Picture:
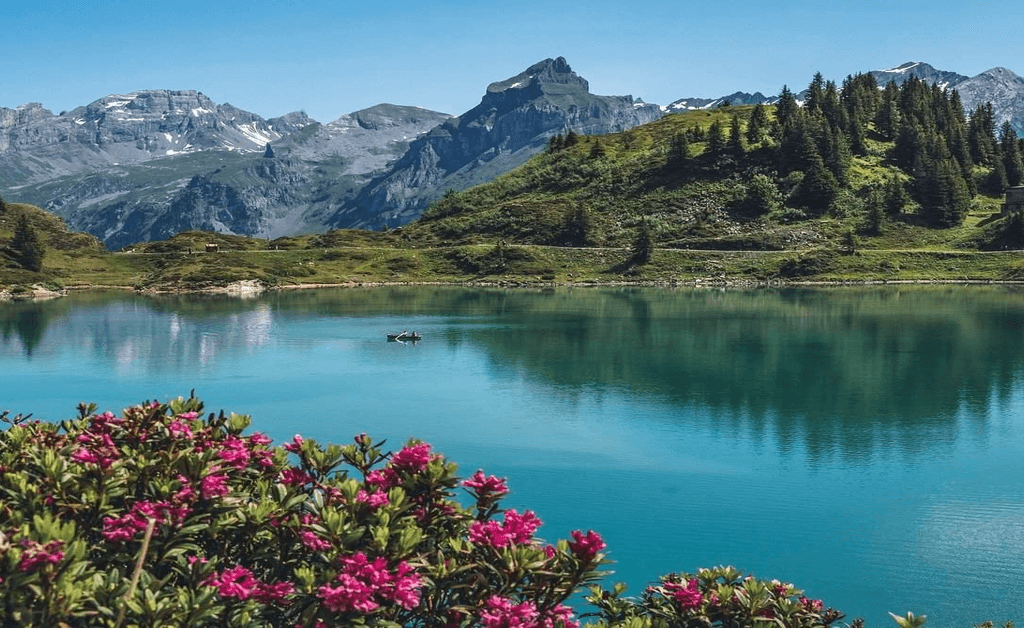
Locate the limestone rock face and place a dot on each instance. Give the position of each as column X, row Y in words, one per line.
column 1002, row 88
column 124, row 129
column 150, row 164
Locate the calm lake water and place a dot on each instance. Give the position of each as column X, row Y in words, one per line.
column 864, row 444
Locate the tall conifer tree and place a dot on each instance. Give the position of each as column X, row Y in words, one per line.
column 26, row 245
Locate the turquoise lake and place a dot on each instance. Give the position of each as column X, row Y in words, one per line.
column 866, row 444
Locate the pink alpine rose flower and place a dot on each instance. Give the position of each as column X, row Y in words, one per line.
column 214, row 485
column 36, row 554
column 516, row 530
column 295, row 477
column 375, row 499
column 237, row 582
column 688, row 596
column 412, row 458
column 486, row 486
column 586, row 546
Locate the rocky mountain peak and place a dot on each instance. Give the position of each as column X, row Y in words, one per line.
column 549, row 71
column 1002, row 74
column 515, row 119
column 919, row 70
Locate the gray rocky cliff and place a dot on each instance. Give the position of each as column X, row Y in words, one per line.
column 1002, row 88
column 37, row 146
column 144, row 166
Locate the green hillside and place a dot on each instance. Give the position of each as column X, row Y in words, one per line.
column 694, row 191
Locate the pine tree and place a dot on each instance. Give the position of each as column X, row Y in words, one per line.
column 797, row 143
column 896, row 196
column 818, row 189
column 997, row 180
column 981, row 136
column 815, row 93
column 836, row 154
column 555, row 143
column 3, row 205
column 875, row 205
column 716, row 139
column 679, row 152
column 1013, row 162
column 757, row 125
column 943, row 194
column 577, row 226
column 889, row 119
column 735, row 144
column 830, row 107
column 571, row 139
column 643, row 246
column 785, row 110
column 25, row 245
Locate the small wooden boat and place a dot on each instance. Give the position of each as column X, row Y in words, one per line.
column 404, row 336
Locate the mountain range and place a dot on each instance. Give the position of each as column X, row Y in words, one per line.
column 146, row 165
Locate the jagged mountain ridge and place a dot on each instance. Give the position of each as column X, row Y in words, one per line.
column 37, row 145
column 152, row 165
column 147, row 165
column 515, row 119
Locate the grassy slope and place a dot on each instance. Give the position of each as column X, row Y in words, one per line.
column 509, row 229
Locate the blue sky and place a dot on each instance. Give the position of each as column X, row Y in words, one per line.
column 332, row 58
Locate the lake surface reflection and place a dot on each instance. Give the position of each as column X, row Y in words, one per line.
column 866, row 444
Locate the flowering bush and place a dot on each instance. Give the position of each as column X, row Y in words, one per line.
column 713, row 597
column 165, row 517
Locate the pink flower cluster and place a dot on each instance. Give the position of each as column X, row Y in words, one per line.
column 238, row 582
column 310, row 538
column 586, row 546
column 814, row 606
column 516, row 530
column 375, row 499
column 688, row 596
column 36, row 554
column 172, row 512
column 295, row 446
column 385, row 479
column 486, row 487
column 180, row 430
column 412, row 458
column 240, row 452
column 500, row 612
column 97, row 448
column 363, row 585
column 214, row 484
column 294, row 476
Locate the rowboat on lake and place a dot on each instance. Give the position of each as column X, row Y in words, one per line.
column 404, row 336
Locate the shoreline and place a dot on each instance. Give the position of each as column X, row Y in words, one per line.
column 253, row 288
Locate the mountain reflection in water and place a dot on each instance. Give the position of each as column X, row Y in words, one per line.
column 843, row 371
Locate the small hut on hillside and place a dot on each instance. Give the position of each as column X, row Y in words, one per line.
column 1014, row 200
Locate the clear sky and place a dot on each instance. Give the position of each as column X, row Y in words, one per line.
column 331, row 58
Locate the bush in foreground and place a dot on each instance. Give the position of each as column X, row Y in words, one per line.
column 164, row 517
